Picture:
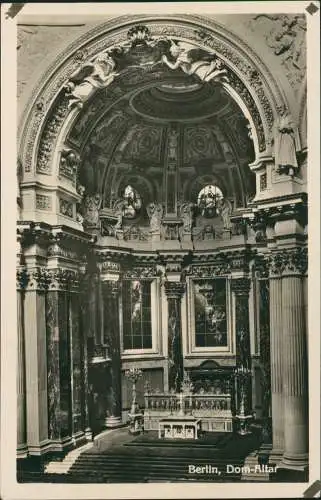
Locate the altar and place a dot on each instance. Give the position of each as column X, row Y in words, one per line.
column 174, row 427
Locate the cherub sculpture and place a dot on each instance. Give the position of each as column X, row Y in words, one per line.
column 206, row 66
column 92, row 75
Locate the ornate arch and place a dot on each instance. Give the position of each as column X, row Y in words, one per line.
column 47, row 120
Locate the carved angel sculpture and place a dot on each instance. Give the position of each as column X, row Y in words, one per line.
column 206, row 66
column 92, row 75
column 155, row 213
column 225, row 209
column 285, row 145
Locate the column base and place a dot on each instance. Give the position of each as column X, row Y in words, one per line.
column 22, row 450
column 112, row 422
column 40, row 449
column 275, row 456
column 299, row 463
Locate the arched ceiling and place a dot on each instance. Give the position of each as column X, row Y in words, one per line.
column 124, row 136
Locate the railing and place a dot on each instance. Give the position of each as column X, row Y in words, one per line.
column 213, row 409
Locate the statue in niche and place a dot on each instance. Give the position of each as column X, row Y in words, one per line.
column 186, row 214
column 285, row 145
column 91, row 208
column 92, row 75
column 119, row 213
column 155, row 213
column 193, row 61
column 224, row 209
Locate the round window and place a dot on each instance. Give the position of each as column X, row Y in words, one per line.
column 208, row 200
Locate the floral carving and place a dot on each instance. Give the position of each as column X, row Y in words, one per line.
column 289, row 261
column 49, row 136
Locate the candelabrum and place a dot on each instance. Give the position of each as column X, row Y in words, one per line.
column 133, row 375
column 244, row 415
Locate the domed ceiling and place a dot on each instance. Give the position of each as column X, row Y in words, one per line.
column 133, row 133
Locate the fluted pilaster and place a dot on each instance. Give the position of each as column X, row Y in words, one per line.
column 174, row 291
column 294, row 363
column 276, row 332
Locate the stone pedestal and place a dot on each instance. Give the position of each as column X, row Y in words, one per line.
column 110, row 290
column 276, row 334
column 174, row 291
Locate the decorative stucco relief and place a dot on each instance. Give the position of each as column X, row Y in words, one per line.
column 285, row 35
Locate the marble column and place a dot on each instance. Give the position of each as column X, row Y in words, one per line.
column 58, row 367
column 22, row 449
column 84, row 329
column 294, row 369
column 276, row 333
column 110, row 291
column 36, row 362
column 174, row 291
column 241, row 288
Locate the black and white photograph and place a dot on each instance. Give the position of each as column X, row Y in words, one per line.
column 160, row 188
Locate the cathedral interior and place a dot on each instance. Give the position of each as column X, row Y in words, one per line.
column 162, row 233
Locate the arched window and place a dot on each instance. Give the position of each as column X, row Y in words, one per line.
column 208, row 199
column 133, row 203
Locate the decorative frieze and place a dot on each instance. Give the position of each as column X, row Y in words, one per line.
column 42, row 278
column 43, row 202
column 141, row 272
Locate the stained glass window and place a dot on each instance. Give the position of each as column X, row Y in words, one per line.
column 210, row 313
column 207, row 200
column 137, row 325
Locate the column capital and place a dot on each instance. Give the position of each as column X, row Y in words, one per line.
column 241, row 286
column 174, row 289
column 22, row 278
column 293, row 261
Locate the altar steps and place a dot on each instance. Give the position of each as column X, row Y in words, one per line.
column 113, row 468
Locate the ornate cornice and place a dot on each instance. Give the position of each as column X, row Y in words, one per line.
column 174, row 289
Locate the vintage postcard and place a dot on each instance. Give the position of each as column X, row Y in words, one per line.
column 160, row 163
